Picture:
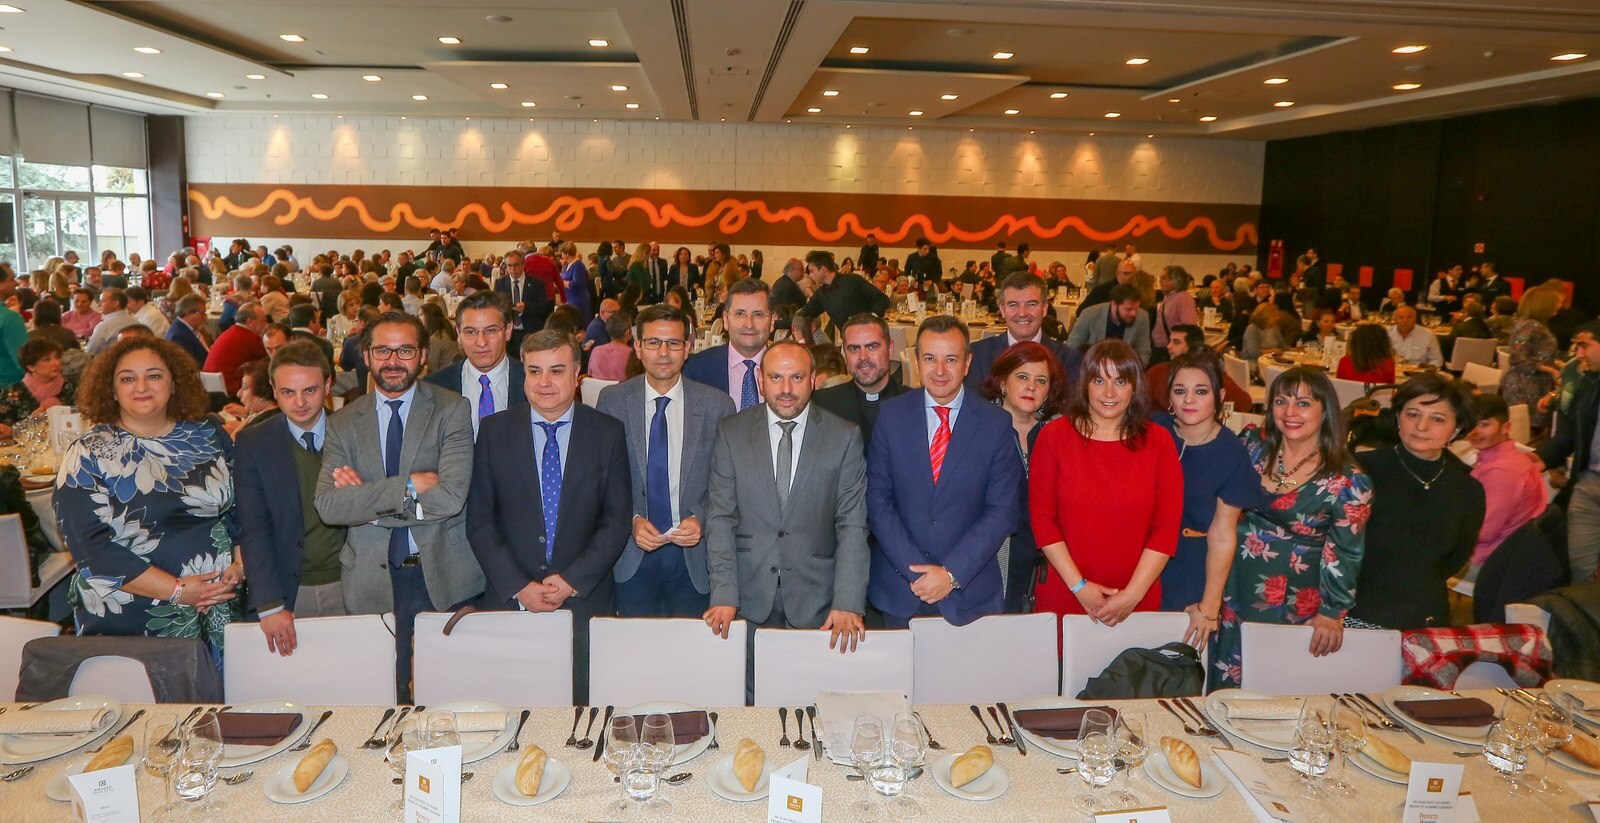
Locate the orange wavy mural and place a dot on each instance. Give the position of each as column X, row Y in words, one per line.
column 803, row 218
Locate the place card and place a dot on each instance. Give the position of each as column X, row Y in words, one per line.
column 1246, row 775
column 433, row 785
column 1153, row 814
column 1433, row 792
column 790, row 799
column 105, row 796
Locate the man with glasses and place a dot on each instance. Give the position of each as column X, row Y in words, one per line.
column 527, row 297
column 395, row 470
column 486, row 375
column 672, row 425
column 733, row 367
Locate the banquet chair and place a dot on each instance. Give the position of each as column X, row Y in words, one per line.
column 1502, row 358
column 999, row 657
column 632, row 660
column 1278, row 660
column 1239, row 370
column 1484, row 377
column 338, row 661
column 1087, row 647
column 792, row 665
column 910, row 371
column 1521, row 423
column 120, row 678
column 1348, row 391
column 590, row 390
column 512, row 658
column 1527, row 613
column 16, row 577
column 1270, row 373
column 1479, row 350
column 1237, row 421
column 128, row 668
column 1485, row 675
column 15, row 632
column 212, row 382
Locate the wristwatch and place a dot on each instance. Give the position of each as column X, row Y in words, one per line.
column 953, row 584
column 177, row 594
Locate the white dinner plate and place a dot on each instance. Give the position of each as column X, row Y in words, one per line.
column 557, row 777
column 1378, row 770
column 1059, row 748
column 1471, row 735
column 58, row 789
column 684, row 752
column 989, row 786
column 279, row 788
column 476, row 746
column 16, row 749
column 722, row 783
column 234, row 756
column 1160, row 772
column 1277, row 735
column 1589, row 692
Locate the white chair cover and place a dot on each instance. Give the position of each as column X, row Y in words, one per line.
column 1521, row 423
column 513, row 658
column 1485, row 675
column 793, row 665
column 1088, row 647
column 15, row 632
column 632, row 660
column 120, row 678
column 16, row 589
column 1528, row 613
column 1484, row 377
column 1277, row 660
column 339, row 661
column 212, row 381
column 1000, row 657
column 590, row 389
column 1479, row 350
column 1348, row 391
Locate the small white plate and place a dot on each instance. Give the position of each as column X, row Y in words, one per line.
column 1589, row 692
column 279, row 788
column 1060, row 748
column 1268, row 734
column 1160, row 772
column 684, row 752
column 1470, row 735
column 1378, row 770
column 989, row 786
column 722, row 783
column 16, row 749
column 475, row 748
column 58, row 789
column 234, row 756
column 1574, row 763
column 555, row 780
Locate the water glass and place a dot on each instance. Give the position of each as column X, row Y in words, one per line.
column 904, row 751
column 200, row 754
column 1313, row 746
column 1554, row 727
column 1132, row 749
column 1506, row 749
column 657, row 745
column 866, row 749
column 1097, row 759
column 403, row 739
column 1348, row 738
column 622, row 752
column 439, row 730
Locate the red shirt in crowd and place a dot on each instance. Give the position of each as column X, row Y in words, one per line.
column 1383, row 374
column 235, row 347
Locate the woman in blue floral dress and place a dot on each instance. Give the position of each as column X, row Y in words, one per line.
column 144, row 500
column 1299, row 556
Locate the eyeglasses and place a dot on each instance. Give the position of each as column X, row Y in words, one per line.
column 402, row 352
column 655, row 343
column 489, row 331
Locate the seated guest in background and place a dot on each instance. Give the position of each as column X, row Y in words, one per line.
column 1324, row 331
column 43, row 385
column 942, row 483
column 442, row 345
column 672, row 427
column 1393, row 301
column 1261, row 336
column 609, row 360
column 273, row 299
column 238, row 345
column 47, row 325
column 255, row 398
column 1502, row 313
column 731, row 367
column 274, row 338
column 1023, row 306
column 146, row 495
column 596, row 334
column 342, row 324
column 550, row 499
column 304, row 325
column 1472, row 322
column 1351, row 309
column 290, row 554
column 1513, row 485
column 1123, row 318
column 189, row 318
column 113, row 316
column 1105, row 494
column 1369, row 357
column 1426, row 509
column 83, row 318
column 146, row 311
column 869, row 357
column 1217, row 298
column 1186, row 339
column 489, row 378
column 1417, row 345
column 351, row 355
column 815, row 539
column 134, row 330
column 1027, row 383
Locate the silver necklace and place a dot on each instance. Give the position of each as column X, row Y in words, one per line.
column 1426, row 484
column 1185, row 442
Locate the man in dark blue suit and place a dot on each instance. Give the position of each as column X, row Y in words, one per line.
column 551, row 497
column 530, row 306
column 291, row 556
column 942, row 478
column 185, row 331
column 486, row 375
column 1022, row 304
column 732, row 367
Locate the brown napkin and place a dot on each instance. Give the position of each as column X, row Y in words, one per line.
column 256, row 729
column 1057, row 724
column 687, row 727
column 1458, row 711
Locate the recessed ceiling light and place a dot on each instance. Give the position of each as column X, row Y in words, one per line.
column 1283, row 104
column 372, row 78
column 402, row 117
column 1091, row 134
column 1174, row 100
column 830, row 92
column 1013, row 111
column 948, row 96
column 1210, row 118
column 915, row 112
column 419, row 97
column 1136, row 61
column 631, row 106
column 498, row 86
column 1412, row 48
column 813, row 110
column 1057, row 95
column 1571, row 55
column 319, row 96
column 619, row 87
column 450, row 41
column 1112, row 115
column 859, row 49
column 1407, row 86
column 1004, row 55
column 216, row 94
column 1274, row 81
column 9, row 9
column 599, row 44
column 528, row 104
column 291, row 38
column 255, row 77
column 134, row 74
column 1151, row 136
column 146, row 50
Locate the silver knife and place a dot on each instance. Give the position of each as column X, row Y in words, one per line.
column 1022, row 748
column 816, row 742
column 1401, row 724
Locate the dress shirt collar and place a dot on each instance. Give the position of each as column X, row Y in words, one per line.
column 675, row 394
column 955, row 403
column 773, row 419
column 405, row 399
column 566, row 417
column 1038, row 337
column 496, row 373
column 736, row 360
column 319, row 429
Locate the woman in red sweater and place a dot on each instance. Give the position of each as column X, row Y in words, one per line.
column 1105, row 492
column 1371, row 358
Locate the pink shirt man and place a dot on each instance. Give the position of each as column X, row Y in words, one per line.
column 1513, row 492
column 610, row 361
column 81, row 323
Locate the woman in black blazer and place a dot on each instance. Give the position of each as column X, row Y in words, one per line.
column 685, row 272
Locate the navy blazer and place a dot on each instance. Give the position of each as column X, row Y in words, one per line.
column 989, row 349
column 180, row 333
column 271, row 522
column 710, row 367
column 536, row 305
column 505, row 515
column 449, row 378
column 958, row 524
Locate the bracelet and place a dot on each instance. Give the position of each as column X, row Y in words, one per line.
column 1081, row 583
column 177, row 593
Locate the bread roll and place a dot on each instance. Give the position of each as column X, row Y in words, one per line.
column 1583, row 749
column 312, row 765
column 971, row 765
column 1182, row 759
column 1386, row 755
column 748, row 761
column 112, row 755
column 530, row 770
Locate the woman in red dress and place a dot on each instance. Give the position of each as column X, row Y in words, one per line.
column 1105, row 492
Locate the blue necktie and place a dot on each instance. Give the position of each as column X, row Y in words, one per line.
column 399, row 538
column 747, row 393
column 657, row 482
column 310, row 439
column 485, row 398
column 550, row 484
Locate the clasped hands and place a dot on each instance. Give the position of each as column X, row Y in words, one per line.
column 649, row 538
column 1105, row 604
column 545, row 595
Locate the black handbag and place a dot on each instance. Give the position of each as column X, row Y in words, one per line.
column 1174, row 670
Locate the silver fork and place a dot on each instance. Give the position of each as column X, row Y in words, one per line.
column 516, row 739
column 236, row 779
column 1206, row 726
column 1005, row 739
column 1187, row 729
column 306, row 743
column 932, row 744
column 374, row 741
column 714, row 743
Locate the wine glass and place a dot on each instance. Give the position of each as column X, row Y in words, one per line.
column 622, row 750
column 1313, row 746
column 1132, row 749
column 161, row 748
column 866, row 748
column 1506, row 749
column 196, row 773
column 903, row 750
column 403, row 740
column 1097, row 759
column 1348, row 738
column 1554, row 728
column 657, row 744
column 439, row 730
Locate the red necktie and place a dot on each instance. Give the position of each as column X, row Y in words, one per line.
column 941, row 441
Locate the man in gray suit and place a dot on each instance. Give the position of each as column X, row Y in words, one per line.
column 786, row 535
column 672, row 425
column 396, row 469
column 1122, row 318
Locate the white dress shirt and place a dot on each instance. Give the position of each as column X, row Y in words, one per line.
column 384, row 413
column 674, row 397
column 471, row 387
column 933, row 417
column 775, row 436
column 1420, row 347
column 152, row 318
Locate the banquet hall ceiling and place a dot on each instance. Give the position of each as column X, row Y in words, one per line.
column 1190, row 67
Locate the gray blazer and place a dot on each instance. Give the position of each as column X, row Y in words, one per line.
column 819, row 542
column 1089, row 328
column 438, row 437
column 703, row 408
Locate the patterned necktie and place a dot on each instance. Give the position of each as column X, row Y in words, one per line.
column 747, row 392
column 550, row 484
column 399, row 538
column 310, row 439
column 657, row 478
column 485, row 397
column 785, row 462
column 941, row 441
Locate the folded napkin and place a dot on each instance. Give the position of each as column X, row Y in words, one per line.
column 1467, row 712
column 687, row 727
column 256, row 728
column 1272, row 708
column 45, row 722
column 838, row 712
column 473, row 722
column 1056, row 724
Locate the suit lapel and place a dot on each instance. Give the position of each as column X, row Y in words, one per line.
column 368, row 459
column 693, row 413
column 418, row 423
column 961, row 436
column 761, row 443
column 280, row 461
column 572, row 473
column 805, row 466
column 634, row 396
column 521, row 457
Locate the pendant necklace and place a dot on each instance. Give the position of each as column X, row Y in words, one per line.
column 1281, row 477
column 1426, row 484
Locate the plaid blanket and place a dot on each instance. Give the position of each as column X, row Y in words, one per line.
column 1436, row 657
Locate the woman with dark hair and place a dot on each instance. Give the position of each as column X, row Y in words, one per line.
column 1105, row 493
column 47, row 326
column 1426, row 509
column 1300, row 554
column 1218, row 483
column 1028, row 383
column 42, row 386
column 443, row 349
column 1370, row 357
column 688, row 274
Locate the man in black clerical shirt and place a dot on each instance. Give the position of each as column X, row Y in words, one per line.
column 869, row 355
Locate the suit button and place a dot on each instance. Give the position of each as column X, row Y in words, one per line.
column 932, row 522
column 541, row 538
column 774, row 569
column 781, row 534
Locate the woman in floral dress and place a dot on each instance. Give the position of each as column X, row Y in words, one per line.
column 1533, row 352
column 144, row 500
column 1300, row 556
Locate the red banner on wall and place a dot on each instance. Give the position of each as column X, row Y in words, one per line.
column 1517, row 285
column 1334, row 270
column 1402, row 279
column 1366, row 277
column 1275, row 259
